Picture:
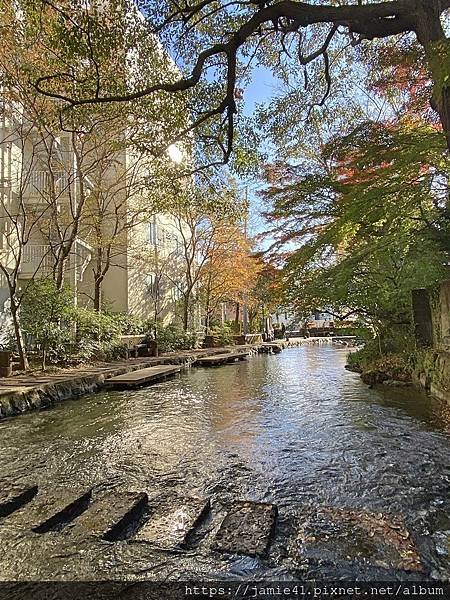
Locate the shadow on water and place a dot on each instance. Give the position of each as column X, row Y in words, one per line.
column 294, row 429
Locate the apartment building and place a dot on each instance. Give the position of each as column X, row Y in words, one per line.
column 73, row 209
column 41, row 197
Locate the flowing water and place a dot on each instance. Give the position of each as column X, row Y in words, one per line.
column 295, row 429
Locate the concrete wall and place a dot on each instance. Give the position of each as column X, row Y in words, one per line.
column 441, row 311
column 440, row 305
column 432, row 321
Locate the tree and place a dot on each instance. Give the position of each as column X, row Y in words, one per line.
column 83, row 184
column 372, row 282
column 265, row 297
column 20, row 219
column 200, row 214
column 230, row 271
column 118, row 202
column 57, row 178
column 162, row 260
column 223, row 39
column 370, row 228
column 42, row 37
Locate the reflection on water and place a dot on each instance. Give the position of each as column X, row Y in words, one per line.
column 295, row 429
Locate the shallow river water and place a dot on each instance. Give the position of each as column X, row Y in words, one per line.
column 295, row 429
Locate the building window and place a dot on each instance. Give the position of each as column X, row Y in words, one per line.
column 151, row 233
column 176, row 292
column 153, row 287
column 178, row 247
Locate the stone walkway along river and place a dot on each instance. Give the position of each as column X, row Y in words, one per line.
column 359, row 478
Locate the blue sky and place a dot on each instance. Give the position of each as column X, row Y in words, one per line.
column 262, row 87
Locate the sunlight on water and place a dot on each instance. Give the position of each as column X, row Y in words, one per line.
column 294, row 429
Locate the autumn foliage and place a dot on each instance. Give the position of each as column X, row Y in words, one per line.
column 231, row 270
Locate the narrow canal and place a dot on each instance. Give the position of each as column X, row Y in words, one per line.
column 295, row 429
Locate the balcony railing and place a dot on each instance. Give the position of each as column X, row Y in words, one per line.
column 39, row 183
column 36, row 258
column 39, row 259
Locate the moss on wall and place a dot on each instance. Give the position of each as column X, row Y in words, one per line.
column 432, row 365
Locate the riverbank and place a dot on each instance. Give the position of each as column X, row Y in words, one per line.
column 340, row 462
column 22, row 393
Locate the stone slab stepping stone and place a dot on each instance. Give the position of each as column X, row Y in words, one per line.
column 172, row 521
column 109, row 516
column 13, row 499
column 375, row 539
column 247, row 529
column 55, row 513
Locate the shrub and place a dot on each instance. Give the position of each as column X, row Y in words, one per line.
column 171, row 337
column 98, row 335
column 47, row 317
column 391, row 357
column 129, row 324
column 358, row 330
column 224, row 334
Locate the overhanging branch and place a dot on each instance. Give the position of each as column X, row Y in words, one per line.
column 368, row 21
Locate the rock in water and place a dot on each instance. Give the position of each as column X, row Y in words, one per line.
column 376, row 539
column 247, row 529
column 172, row 521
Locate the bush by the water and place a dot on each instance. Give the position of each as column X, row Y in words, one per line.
column 358, row 330
column 98, row 335
column 129, row 324
column 387, row 358
column 61, row 332
column 46, row 317
column 171, row 337
column 223, row 334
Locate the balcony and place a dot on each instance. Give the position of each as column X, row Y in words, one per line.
column 39, row 185
column 5, row 184
column 38, row 259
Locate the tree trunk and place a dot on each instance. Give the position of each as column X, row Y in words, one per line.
column 236, row 317
column 97, row 294
column 443, row 108
column 60, row 272
column 23, row 359
column 431, row 36
column 207, row 316
column 186, row 302
column 98, row 281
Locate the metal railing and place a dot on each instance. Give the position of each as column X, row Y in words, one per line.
column 40, row 258
column 37, row 257
column 39, row 183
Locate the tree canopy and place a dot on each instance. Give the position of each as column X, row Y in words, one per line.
column 214, row 45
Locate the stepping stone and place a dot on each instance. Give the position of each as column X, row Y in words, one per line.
column 109, row 516
column 247, row 529
column 172, row 522
column 374, row 539
column 55, row 515
column 14, row 499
